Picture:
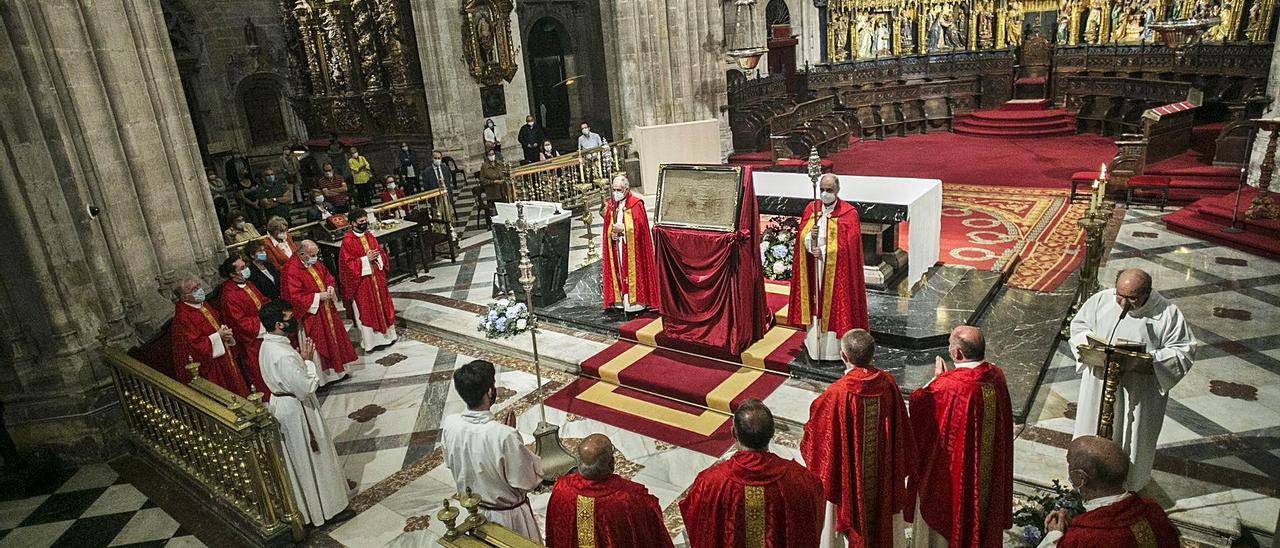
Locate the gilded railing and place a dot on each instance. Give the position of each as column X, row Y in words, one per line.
column 571, row 179
column 226, row 445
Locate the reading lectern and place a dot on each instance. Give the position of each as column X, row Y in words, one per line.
column 1122, row 357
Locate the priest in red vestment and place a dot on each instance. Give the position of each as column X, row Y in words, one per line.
column 197, row 335
column 238, row 303
column 963, row 427
column 362, row 269
column 858, row 442
column 596, row 507
column 630, row 281
column 1113, row 517
column 755, row 498
column 828, row 287
column 308, row 287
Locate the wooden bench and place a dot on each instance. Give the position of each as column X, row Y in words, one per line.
column 811, row 124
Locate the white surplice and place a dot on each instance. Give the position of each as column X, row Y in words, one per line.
column 369, row 338
column 822, row 345
column 1141, row 400
column 319, row 484
column 490, row 458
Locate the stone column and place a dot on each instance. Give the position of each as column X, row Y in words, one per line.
column 1273, row 110
column 457, row 119
column 103, row 202
column 804, row 23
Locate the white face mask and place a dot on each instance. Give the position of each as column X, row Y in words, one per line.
column 828, row 197
column 391, row 186
column 406, row 147
column 586, row 131
column 244, row 273
column 491, row 158
column 619, row 195
column 239, row 225
column 547, row 148
column 529, row 123
column 355, row 154
column 319, row 199
column 328, row 174
column 437, row 161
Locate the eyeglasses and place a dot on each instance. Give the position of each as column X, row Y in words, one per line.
column 1136, row 297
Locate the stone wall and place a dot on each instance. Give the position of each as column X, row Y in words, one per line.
column 104, row 204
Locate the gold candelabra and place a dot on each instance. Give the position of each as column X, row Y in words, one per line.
column 1093, row 223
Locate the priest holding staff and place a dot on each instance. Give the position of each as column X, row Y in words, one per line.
column 828, row 288
column 629, row 275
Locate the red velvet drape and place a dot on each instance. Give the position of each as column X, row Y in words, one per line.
column 712, row 286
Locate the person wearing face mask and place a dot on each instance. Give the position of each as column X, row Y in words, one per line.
column 292, row 377
column 362, row 271
column 274, row 195
column 198, row 335
column 334, row 188
column 320, row 209
column 531, row 138
column 493, row 175
column 492, row 142
column 308, row 287
column 548, row 151
column 828, row 287
column 409, row 169
column 438, row 174
column 1113, row 517
column 361, row 173
column 630, row 279
column 238, row 304
column 239, row 230
column 392, row 192
column 279, row 242
column 262, row 274
column 589, row 139
column 245, row 192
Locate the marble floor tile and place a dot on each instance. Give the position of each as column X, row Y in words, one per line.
column 423, row 496
column 187, row 541
column 368, row 468
column 376, row 526
column 401, row 397
column 1232, row 414
column 341, row 405
column 147, row 525
column 13, row 512
column 1161, row 276
column 117, row 498
column 90, row 477
column 37, row 536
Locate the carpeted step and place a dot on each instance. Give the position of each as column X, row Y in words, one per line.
column 1013, row 132
column 775, row 351
column 1021, row 114
column 1205, row 183
column 1048, row 123
column 1025, row 104
column 1205, row 218
column 1199, row 171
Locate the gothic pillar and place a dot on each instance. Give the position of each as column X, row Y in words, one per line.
column 102, row 202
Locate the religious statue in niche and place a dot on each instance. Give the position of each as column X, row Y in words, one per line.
column 940, row 28
column 959, row 37
column 486, row 40
column 1063, row 32
column 882, row 35
column 1093, row 21
column 1013, row 24
column 865, row 37
column 840, row 31
column 986, row 24
column 907, row 30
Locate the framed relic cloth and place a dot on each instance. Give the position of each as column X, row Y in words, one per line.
column 700, row 197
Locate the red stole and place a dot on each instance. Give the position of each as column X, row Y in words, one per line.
column 756, row 500
column 368, row 292
column 844, row 287
column 298, row 285
column 963, row 427
column 239, row 309
column 189, row 333
column 274, row 255
column 858, row 442
column 1136, row 522
column 635, row 275
column 610, row 513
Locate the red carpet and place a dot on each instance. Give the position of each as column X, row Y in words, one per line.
column 1018, row 120
column 1206, row 217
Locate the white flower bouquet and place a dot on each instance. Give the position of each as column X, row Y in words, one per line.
column 505, row 318
column 777, row 245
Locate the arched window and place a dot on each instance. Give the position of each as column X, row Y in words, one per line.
column 260, row 98
column 776, row 13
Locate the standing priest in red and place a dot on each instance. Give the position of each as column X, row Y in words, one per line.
column 596, row 507
column 239, row 302
column 828, row 288
column 858, row 442
column 963, row 427
column 1113, row 517
column 755, row 498
column 630, row 281
column 362, row 269
column 197, row 335
column 308, row 287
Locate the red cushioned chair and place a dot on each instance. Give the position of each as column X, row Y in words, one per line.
column 1032, row 80
column 1082, row 178
column 1153, row 185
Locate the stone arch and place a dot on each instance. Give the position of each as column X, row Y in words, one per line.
column 549, row 46
column 776, row 12
column 261, row 100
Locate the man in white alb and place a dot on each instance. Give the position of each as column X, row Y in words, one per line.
column 319, row 484
column 1133, row 312
column 489, row 457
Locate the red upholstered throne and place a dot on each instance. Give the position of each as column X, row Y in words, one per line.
column 1032, row 79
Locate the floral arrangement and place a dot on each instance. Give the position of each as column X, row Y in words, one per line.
column 1029, row 517
column 504, row 318
column 777, row 246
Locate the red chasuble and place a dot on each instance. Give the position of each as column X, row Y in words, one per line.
column 368, row 292
column 610, row 513
column 1133, row 522
column 858, row 442
column 754, row 499
column 239, row 308
column 298, row 285
column 190, row 333
column 634, row 275
column 963, row 427
column 844, row 285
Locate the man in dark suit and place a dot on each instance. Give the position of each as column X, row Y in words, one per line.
column 437, row 174
column 531, row 137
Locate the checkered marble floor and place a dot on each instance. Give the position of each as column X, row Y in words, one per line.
column 90, row 506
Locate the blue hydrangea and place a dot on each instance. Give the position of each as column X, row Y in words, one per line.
column 1032, row 534
column 493, row 315
column 512, row 312
column 501, row 324
column 779, row 251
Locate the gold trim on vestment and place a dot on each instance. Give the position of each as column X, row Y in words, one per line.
column 986, row 446
column 586, row 522
column 755, row 516
column 870, row 463
column 1143, row 536
column 377, row 295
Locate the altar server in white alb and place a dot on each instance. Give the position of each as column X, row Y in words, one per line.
column 1137, row 313
column 488, row 456
column 319, row 485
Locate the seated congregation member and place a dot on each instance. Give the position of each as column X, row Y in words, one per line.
column 238, row 303
column 239, row 230
column 774, row 500
column 630, row 279
column 280, row 246
column 963, row 427
column 292, row 376
column 489, row 457
column 860, row 424
column 198, row 335
column 390, row 193
column 334, row 188
column 308, row 286
column 262, row 274
column 594, row 506
column 829, row 293
column 362, row 270
column 320, row 208
column 1113, row 517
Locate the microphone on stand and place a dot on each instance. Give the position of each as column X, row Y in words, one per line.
column 1124, row 311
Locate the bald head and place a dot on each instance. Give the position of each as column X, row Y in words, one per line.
column 967, row 344
column 857, row 347
column 753, row 425
column 829, row 181
column 309, row 246
column 1133, row 287
column 1097, row 466
column 595, row 457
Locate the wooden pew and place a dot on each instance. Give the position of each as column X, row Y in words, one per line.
column 817, row 123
